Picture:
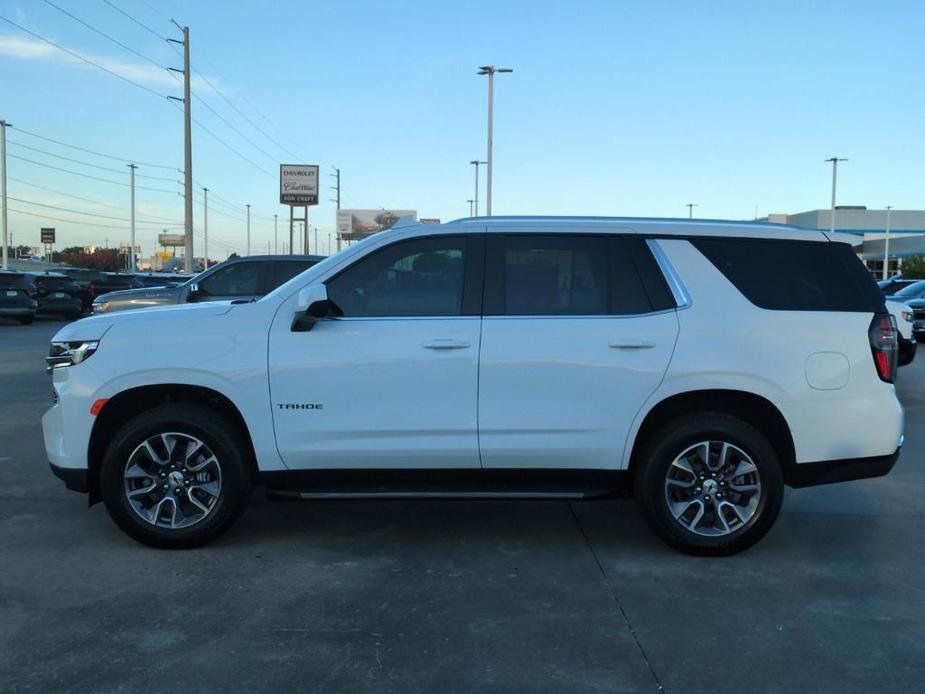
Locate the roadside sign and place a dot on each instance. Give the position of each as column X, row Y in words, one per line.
column 171, row 240
column 48, row 235
column 429, row 220
column 298, row 184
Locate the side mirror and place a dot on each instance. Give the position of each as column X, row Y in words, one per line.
column 193, row 293
column 313, row 305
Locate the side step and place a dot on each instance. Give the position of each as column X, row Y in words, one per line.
column 459, row 485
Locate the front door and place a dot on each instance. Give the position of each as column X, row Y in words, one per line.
column 576, row 336
column 392, row 384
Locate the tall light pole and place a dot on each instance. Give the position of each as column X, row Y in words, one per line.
column 834, row 161
column 187, row 150
column 248, row 229
column 475, row 163
column 470, row 201
column 886, row 244
column 3, row 127
column 131, row 250
column 490, row 70
column 275, row 238
column 205, row 228
column 690, row 209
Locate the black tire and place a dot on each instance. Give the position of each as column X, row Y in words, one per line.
column 216, row 432
column 26, row 320
column 673, row 440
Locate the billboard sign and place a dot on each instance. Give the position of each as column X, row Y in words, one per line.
column 358, row 224
column 48, row 235
column 298, row 184
column 429, row 220
column 171, row 240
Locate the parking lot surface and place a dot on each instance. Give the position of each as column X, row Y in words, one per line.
column 452, row 596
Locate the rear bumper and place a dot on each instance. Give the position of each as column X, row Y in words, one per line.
column 75, row 479
column 829, row 471
column 15, row 311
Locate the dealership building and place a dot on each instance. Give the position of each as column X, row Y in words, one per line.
column 907, row 232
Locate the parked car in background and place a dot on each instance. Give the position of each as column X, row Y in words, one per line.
column 83, row 278
column 161, row 279
column 891, row 286
column 701, row 366
column 236, row 279
column 57, row 294
column 17, row 296
column 917, row 306
column 903, row 315
column 916, row 290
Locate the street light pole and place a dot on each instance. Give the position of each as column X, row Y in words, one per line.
column 3, row 127
column 275, row 238
column 490, row 70
column 248, row 229
column 475, row 163
column 886, row 244
column 131, row 250
column 470, row 201
column 834, row 161
column 205, row 228
column 690, row 209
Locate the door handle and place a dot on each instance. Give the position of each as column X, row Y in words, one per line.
column 445, row 344
column 632, row 343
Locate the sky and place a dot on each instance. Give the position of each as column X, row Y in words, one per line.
column 628, row 108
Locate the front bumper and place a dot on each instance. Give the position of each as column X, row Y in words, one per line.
column 75, row 479
column 829, row 471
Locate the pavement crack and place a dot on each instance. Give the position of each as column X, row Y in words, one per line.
column 616, row 599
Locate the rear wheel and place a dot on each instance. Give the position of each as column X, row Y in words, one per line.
column 176, row 476
column 710, row 484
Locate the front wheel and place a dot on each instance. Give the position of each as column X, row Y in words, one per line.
column 710, row 484
column 176, row 476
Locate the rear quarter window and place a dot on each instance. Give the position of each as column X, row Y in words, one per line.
column 795, row 275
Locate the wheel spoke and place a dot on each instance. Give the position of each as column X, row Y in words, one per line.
column 155, row 458
column 210, row 488
column 198, row 504
column 142, row 491
column 208, row 461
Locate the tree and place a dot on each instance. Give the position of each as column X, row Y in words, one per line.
column 913, row 268
column 100, row 259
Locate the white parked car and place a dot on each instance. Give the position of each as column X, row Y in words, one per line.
column 903, row 315
column 700, row 366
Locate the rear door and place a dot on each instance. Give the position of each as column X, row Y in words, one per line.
column 578, row 331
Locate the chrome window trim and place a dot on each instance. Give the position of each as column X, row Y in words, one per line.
column 681, row 296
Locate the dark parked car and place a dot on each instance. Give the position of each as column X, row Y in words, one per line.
column 57, row 294
column 891, row 286
column 161, row 279
column 916, row 290
column 239, row 278
column 83, row 279
column 17, row 296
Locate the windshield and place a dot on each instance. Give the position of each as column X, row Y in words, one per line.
column 913, row 290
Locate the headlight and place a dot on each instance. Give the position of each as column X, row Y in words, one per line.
column 907, row 316
column 69, row 353
column 100, row 307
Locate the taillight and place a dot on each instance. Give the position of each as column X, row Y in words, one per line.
column 884, row 345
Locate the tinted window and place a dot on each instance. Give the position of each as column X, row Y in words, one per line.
column 423, row 277
column 285, row 270
column 653, row 281
column 238, row 279
column 795, row 275
column 11, row 279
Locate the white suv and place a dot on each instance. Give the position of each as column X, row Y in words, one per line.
column 700, row 366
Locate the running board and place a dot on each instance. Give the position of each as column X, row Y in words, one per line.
column 444, row 485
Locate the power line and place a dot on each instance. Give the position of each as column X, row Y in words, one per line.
column 82, row 58
column 105, row 35
column 229, row 147
column 84, row 163
column 230, row 125
column 141, row 24
column 86, row 214
column 72, row 221
column 85, row 175
column 99, row 154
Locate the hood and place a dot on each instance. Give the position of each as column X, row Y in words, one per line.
column 145, row 293
column 94, row 327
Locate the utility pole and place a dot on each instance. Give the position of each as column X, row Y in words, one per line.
column 3, row 126
column 470, row 207
column 302, row 235
column 187, row 150
column 886, row 244
column 690, row 209
column 248, row 229
column 131, row 252
column 475, row 163
column 316, row 241
column 205, row 228
column 336, row 176
column 275, row 237
column 834, row 161
column 490, row 70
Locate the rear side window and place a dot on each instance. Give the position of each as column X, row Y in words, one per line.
column 239, row 279
column 795, row 275
column 571, row 275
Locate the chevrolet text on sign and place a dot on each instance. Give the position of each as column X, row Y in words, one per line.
column 298, row 184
